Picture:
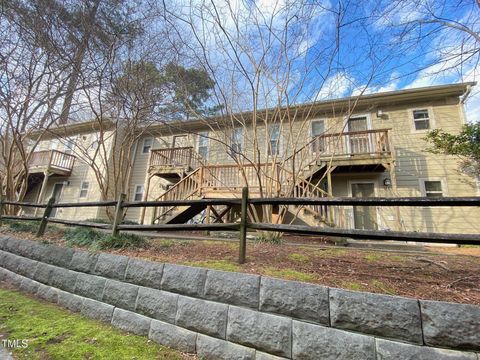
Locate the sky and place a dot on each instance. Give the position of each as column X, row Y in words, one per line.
column 335, row 49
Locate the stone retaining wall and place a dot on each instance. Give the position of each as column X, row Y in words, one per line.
column 225, row 315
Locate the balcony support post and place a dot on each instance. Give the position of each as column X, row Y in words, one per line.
column 41, row 194
column 145, row 198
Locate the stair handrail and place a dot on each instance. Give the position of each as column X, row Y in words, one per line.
column 180, row 195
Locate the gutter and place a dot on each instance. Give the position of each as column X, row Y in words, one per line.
column 467, row 93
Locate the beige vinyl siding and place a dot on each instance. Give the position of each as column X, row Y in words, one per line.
column 412, row 163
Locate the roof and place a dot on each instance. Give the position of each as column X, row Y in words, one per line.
column 360, row 101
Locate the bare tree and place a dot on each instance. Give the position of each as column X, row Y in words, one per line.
column 265, row 61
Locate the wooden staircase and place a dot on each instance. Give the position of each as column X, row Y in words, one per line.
column 291, row 178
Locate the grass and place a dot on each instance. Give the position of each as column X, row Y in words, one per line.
column 331, row 252
column 299, row 258
column 87, row 237
column 373, row 257
column 352, row 285
column 55, row 333
column 288, row 274
column 224, row 265
column 383, row 287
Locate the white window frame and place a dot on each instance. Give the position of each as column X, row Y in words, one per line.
column 279, row 140
column 69, row 145
column 54, row 144
column 431, row 119
column 149, row 146
column 241, row 143
column 136, row 192
column 82, row 188
column 203, row 135
column 369, row 127
column 354, row 116
column 318, row 120
column 316, row 146
column 443, row 182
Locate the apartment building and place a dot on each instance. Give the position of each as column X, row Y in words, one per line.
column 368, row 147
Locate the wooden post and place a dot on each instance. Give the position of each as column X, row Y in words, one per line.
column 42, row 189
column 145, row 198
column 243, row 226
column 118, row 214
column 46, row 215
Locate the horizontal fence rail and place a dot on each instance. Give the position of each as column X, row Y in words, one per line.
column 244, row 202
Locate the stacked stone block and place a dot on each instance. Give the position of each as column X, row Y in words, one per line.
column 223, row 315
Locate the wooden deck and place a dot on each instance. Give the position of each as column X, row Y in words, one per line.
column 52, row 162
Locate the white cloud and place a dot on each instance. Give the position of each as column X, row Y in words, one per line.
column 336, row 86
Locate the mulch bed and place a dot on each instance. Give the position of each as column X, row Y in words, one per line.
column 433, row 276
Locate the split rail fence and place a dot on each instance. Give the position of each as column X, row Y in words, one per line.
column 121, row 205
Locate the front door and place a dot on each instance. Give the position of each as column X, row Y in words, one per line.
column 364, row 217
column 56, row 194
column 358, row 143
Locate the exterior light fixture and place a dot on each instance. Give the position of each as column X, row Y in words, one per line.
column 387, row 182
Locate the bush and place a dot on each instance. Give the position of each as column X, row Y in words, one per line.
column 120, row 242
column 23, row 226
column 83, row 236
column 267, row 237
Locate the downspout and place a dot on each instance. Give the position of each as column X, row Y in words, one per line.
column 132, row 162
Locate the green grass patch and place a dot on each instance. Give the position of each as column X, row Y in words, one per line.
column 373, row 257
column 224, row 265
column 288, row 274
column 351, row 285
column 87, row 237
column 55, row 333
column 383, row 287
column 299, row 258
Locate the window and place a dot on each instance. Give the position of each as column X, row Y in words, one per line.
column 274, row 136
column 69, row 145
column 147, row 145
column 54, row 144
column 237, row 140
column 203, row 144
column 318, row 128
column 84, row 189
column 432, row 188
column 138, row 195
column 421, row 119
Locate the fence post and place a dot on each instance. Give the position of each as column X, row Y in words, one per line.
column 118, row 214
column 46, row 215
column 243, row 226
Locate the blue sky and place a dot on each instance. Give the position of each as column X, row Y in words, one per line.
column 335, row 49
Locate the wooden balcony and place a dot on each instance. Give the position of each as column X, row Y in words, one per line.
column 173, row 162
column 367, row 147
column 51, row 161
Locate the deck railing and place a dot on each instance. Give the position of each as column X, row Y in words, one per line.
column 49, row 159
column 176, row 157
column 375, row 143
